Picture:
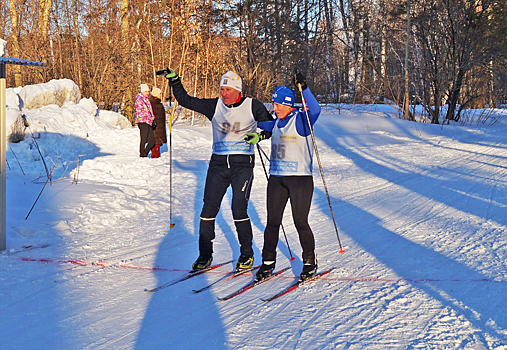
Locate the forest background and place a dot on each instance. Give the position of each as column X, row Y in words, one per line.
column 446, row 55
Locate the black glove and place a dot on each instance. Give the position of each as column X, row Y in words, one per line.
column 170, row 75
column 300, row 79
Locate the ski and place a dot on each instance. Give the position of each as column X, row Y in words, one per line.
column 186, row 277
column 252, row 284
column 228, row 276
column 297, row 284
column 24, row 249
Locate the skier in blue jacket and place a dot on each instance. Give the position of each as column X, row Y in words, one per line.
column 290, row 174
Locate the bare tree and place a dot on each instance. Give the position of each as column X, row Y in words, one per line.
column 350, row 50
column 15, row 49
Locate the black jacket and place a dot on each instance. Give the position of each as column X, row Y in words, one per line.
column 207, row 106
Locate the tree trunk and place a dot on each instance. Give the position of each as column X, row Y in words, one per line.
column 454, row 96
column 16, row 51
column 77, row 40
column 126, row 67
column 44, row 9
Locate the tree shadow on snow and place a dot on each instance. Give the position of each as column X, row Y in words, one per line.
column 176, row 317
column 61, row 154
column 456, row 286
column 471, row 294
column 37, row 305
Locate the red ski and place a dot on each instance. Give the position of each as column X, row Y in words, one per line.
column 252, row 284
column 228, row 276
column 186, row 277
column 297, row 284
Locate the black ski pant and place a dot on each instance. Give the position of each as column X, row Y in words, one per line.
column 218, row 179
column 147, row 139
column 300, row 191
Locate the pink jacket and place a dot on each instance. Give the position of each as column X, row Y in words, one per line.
column 144, row 112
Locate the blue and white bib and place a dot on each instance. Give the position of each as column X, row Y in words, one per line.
column 230, row 126
column 291, row 153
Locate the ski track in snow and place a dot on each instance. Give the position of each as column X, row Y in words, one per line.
column 422, row 219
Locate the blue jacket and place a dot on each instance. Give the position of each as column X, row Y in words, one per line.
column 301, row 122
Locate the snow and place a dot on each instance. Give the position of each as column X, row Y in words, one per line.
column 420, row 209
column 3, row 50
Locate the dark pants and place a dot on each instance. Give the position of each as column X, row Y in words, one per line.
column 147, row 139
column 218, row 179
column 300, row 191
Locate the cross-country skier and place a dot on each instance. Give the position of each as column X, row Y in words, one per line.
column 232, row 116
column 290, row 175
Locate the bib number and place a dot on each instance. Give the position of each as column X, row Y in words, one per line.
column 278, row 151
column 227, row 127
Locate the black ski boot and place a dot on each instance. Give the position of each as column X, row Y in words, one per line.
column 309, row 269
column 245, row 262
column 202, row 263
column 265, row 270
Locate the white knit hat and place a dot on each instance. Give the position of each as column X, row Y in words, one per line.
column 232, row 80
column 156, row 92
column 144, row 88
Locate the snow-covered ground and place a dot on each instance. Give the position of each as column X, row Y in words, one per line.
column 420, row 209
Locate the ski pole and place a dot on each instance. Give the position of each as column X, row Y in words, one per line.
column 320, row 166
column 171, row 112
column 259, row 149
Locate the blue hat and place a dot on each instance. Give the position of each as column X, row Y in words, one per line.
column 284, row 96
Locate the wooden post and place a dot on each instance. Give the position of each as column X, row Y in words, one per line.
column 3, row 143
column 3, row 159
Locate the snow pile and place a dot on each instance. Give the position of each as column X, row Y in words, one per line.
column 58, row 129
column 14, row 120
column 16, row 130
column 89, row 105
column 3, row 50
column 12, row 99
column 61, row 99
column 114, row 119
column 56, row 91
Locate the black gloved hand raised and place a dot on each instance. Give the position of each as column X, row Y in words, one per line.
column 299, row 79
column 170, row 75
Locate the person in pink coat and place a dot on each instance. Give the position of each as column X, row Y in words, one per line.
column 144, row 120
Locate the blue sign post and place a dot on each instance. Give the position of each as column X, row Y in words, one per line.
column 3, row 142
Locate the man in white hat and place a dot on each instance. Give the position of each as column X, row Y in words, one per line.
column 232, row 117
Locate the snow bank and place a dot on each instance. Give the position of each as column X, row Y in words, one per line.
column 3, row 50
column 56, row 91
column 14, row 120
column 89, row 105
column 114, row 119
column 56, row 107
column 110, row 117
column 17, row 125
column 12, row 99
